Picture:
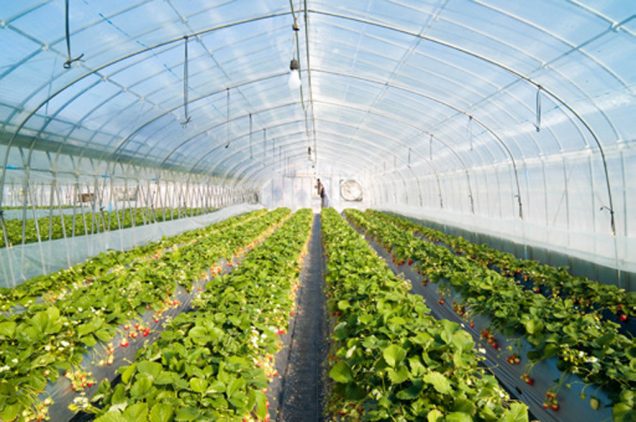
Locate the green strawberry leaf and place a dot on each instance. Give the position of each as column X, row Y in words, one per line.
column 438, row 381
column 393, row 355
column 137, row 412
column 161, row 413
column 341, row 373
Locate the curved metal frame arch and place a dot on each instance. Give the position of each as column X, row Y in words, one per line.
column 194, row 100
column 503, row 110
column 477, row 76
column 251, row 172
column 402, row 178
column 243, row 149
column 465, row 51
column 445, row 104
column 508, row 69
column 118, row 60
column 399, row 142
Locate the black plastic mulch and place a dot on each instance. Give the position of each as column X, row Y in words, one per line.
column 299, row 393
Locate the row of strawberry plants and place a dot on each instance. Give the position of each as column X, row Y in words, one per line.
column 215, row 362
column 45, row 339
column 52, row 286
column 541, row 278
column 83, row 223
column 392, row 360
column 583, row 343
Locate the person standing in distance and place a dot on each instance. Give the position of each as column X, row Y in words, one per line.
column 321, row 192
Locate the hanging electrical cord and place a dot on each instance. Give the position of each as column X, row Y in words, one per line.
column 251, row 154
column 227, row 123
column 264, row 145
column 470, row 131
column 185, row 84
column 69, row 57
column 538, row 109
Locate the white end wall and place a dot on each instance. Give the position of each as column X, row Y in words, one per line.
column 299, row 191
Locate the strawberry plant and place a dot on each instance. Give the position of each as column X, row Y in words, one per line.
column 391, row 359
column 215, row 362
column 44, row 339
column 583, row 342
column 540, row 278
column 51, row 287
column 83, row 223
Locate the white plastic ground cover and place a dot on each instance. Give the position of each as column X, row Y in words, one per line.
column 614, row 253
column 20, row 263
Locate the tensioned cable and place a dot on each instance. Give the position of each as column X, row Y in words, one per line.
column 185, row 83
column 69, row 58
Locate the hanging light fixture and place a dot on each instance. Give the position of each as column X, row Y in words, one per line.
column 294, row 74
column 186, row 74
column 294, row 65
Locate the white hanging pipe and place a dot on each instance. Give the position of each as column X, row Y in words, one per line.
column 251, row 129
column 227, row 121
column 538, row 109
column 185, row 83
column 69, row 57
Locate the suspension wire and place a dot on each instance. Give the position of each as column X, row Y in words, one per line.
column 430, row 148
column 538, row 108
column 227, row 123
column 69, row 57
column 264, row 145
column 251, row 154
column 470, row 131
column 185, row 83
column 409, row 159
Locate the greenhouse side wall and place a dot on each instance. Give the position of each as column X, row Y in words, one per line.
column 568, row 209
column 22, row 262
column 577, row 266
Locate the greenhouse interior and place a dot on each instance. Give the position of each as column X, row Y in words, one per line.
column 318, row 210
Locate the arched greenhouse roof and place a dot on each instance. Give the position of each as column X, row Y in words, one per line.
column 398, row 93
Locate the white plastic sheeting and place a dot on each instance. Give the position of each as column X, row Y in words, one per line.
column 22, row 262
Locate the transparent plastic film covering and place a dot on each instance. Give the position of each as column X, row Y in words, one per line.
column 505, row 118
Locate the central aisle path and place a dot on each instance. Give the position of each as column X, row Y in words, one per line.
column 302, row 397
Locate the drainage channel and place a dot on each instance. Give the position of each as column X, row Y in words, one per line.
column 298, row 394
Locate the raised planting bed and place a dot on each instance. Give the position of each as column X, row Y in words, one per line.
column 613, row 303
column 580, row 342
column 215, row 361
column 69, row 224
column 45, row 341
column 49, row 287
column 391, row 360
